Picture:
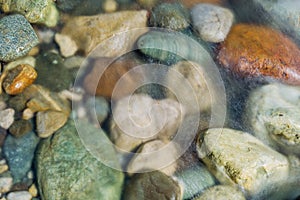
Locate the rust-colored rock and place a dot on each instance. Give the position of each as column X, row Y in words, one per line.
column 257, row 51
column 191, row 3
column 105, row 73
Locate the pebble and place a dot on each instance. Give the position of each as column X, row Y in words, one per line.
column 191, row 3
column 139, row 118
column 194, row 180
column 273, row 115
column 73, row 62
column 66, row 45
column 110, row 6
column 19, row 195
column 152, row 185
column 2, row 105
column 18, row 78
column 103, row 72
column 239, row 159
column 280, row 14
column 97, row 107
column 253, row 51
column 41, row 11
column 148, row 4
column 3, row 167
column 212, row 22
column 110, row 23
column 28, row 60
column 20, row 127
column 221, row 192
column 17, row 37
column 172, row 16
column 52, row 73
column 19, row 153
column 6, row 118
column 33, row 190
column 75, row 7
column 153, row 155
column 6, row 182
column 67, row 170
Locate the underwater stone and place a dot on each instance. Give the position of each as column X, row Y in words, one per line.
column 221, row 192
column 38, row 11
column 17, row 37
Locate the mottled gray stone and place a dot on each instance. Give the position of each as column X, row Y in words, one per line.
column 67, row 170
column 19, row 153
column 221, row 192
column 212, row 22
column 17, row 37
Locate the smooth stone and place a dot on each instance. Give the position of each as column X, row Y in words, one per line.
column 152, row 185
column 152, row 156
column 38, row 11
column 212, row 22
column 67, row 170
column 19, row 195
column 66, row 45
column 76, row 7
column 239, row 159
column 73, row 62
column 19, row 153
column 110, row 23
column 139, row 118
column 17, row 37
column 282, row 14
column 170, row 16
column 6, row 118
column 221, row 192
column 52, row 73
column 20, row 127
column 253, row 51
column 6, row 182
column 97, row 107
column 194, row 180
column 273, row 115
column 148, row 4
column 198, row 98
column 33, row 190
column 191, row 3
column 110, row 6
column 104, row 72
column 29, row 60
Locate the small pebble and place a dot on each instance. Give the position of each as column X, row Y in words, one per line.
column 33, row 190
column 3, row 168
column 27, row 114
column 6, row 118
column 19, row 195
column 34, row 52
column 66, row 45
column 2, row 105
column 29, row 60
column 73, row 62
column 6, row 184
column 20, row 127
column 110, row 6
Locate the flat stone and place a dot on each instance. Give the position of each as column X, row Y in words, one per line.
column 273, row 115
column 194, row 180
column 221, row 192
column 239, row 159
column 253, row 51
column 152, row 185
column 67, row 170
column 19, row 153
column 280, row 14
column 7, row 118
column 147, row 119
column 39, row 11
column 19, row 195
column 212, row 22
column 66, row 45
column 17, row 37
column 111, row 23
column 6, row 183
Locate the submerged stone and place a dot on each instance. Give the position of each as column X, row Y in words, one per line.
column 221, row 192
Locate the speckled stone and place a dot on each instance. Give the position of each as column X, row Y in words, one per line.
column 152, row 185
column 253, row 51
column 239, row 159
column 17, row 37
column 38, row 11
column 171, row 16
column 221, row 192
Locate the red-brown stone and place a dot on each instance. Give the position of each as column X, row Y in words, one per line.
column 258, row 51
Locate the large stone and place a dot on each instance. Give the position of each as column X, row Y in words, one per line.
column 19, row 153
column 111, row 24
column 283, row 14
column 273, row 114
column 253, row 51
column 152, row 185
column 38, row 11
column 67, row 170
column 239, row 159
column 17, row 37
column 221, row 192
column 212, row 22
column 139, row 118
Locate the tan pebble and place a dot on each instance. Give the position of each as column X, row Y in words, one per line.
column 33, row 190
column 34, row 51
column 27, row 114
column 29, row 60
column 66, row 94
column 3, row 168
column 110, row 6
column 18, row 79
column 66, row 45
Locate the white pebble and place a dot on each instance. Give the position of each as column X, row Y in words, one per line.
column 19, row 195
column 5, row 184
column 6, row 118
